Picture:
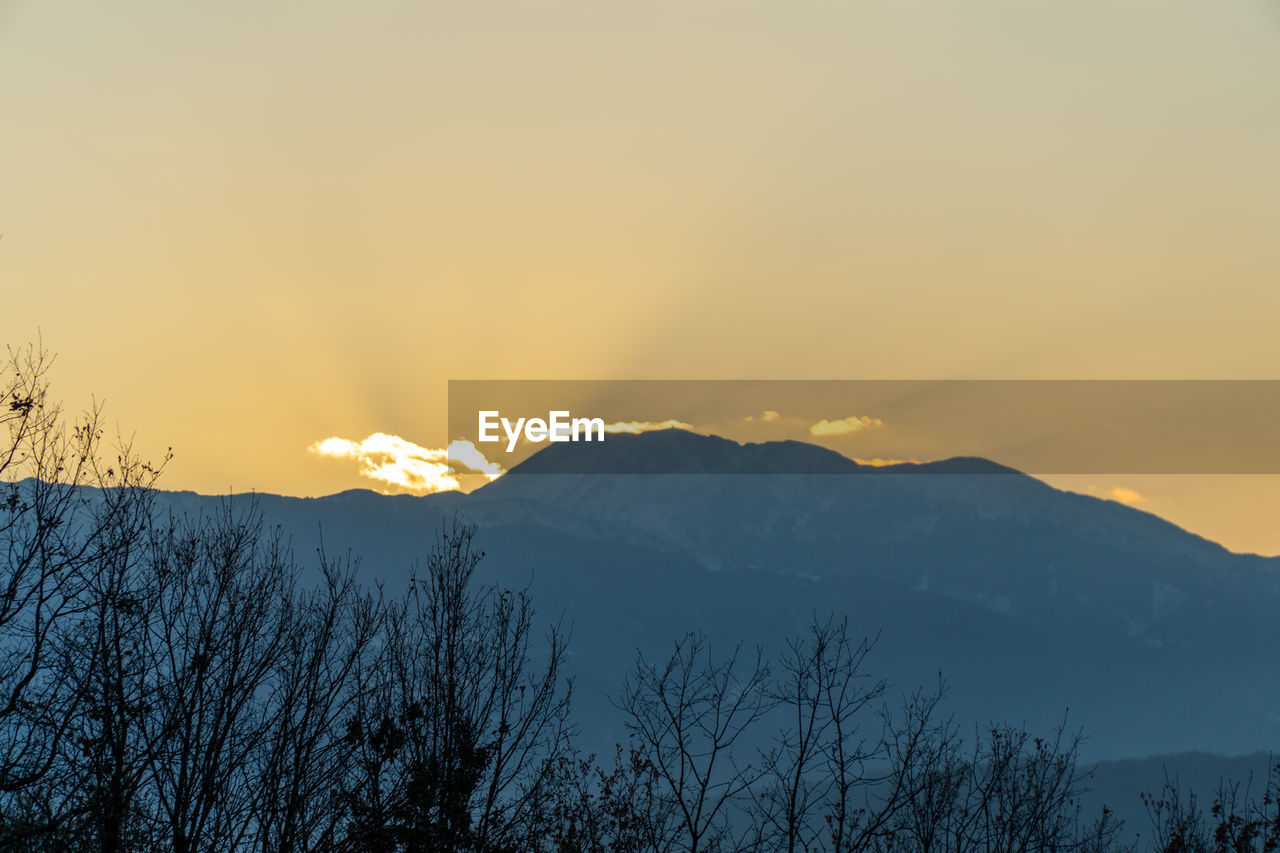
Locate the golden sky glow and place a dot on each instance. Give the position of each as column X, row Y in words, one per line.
column 251, row 226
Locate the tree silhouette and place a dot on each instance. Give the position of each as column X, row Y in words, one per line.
column 688, row 715
column 459, row 734
column 65, row 513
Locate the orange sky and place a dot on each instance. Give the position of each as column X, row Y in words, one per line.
column 249, row 226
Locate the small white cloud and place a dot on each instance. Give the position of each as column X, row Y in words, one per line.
column 881, row 462
column 1120, row 494
column 405, row 466
column 845, row 426
column 1126, row 496
column 646, row 426
column 467, row 454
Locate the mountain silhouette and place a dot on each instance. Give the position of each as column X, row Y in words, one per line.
column 1030, row 600
column 678, row 451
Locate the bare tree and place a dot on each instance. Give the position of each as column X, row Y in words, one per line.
column 459, row 735
column 1010, row 791
column 922, row 808
column 325, row 667
column 594, row 810
column 224, row 616
column 823, row 757
column 1238, row 820
column 688, row 715
column 212, row 696
column 104, row 658
column 65, row 513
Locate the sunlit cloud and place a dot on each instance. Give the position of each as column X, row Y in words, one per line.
column 768, row 416
column 635, row 427
column 1126, row 496
column 467, row 454
column 1120, row 494
column 405, row 466
column 879, row 462
column 845, row 426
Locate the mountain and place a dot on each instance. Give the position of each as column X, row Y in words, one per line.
column 1029, row 600
column 1118, row 785
column 677, row 451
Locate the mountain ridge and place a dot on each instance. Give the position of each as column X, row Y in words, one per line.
column 679, row 451
column 1030, row 599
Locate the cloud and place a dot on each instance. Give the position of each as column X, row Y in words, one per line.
column 1128, row 497
column 394, row 461
column 844, row 426
column 881, row 462
column 1120, row 494
column 467, row 454
column 647, row 426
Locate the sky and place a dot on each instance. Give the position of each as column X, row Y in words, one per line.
column 251, row 227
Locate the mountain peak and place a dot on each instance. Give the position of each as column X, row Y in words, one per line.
column 678, row 451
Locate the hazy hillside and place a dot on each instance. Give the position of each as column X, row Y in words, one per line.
column 1120, row 784
column 1029, row 600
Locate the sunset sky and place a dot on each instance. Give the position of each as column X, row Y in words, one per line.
column 250, row 227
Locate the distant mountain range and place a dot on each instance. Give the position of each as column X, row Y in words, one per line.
column 1029, row 600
